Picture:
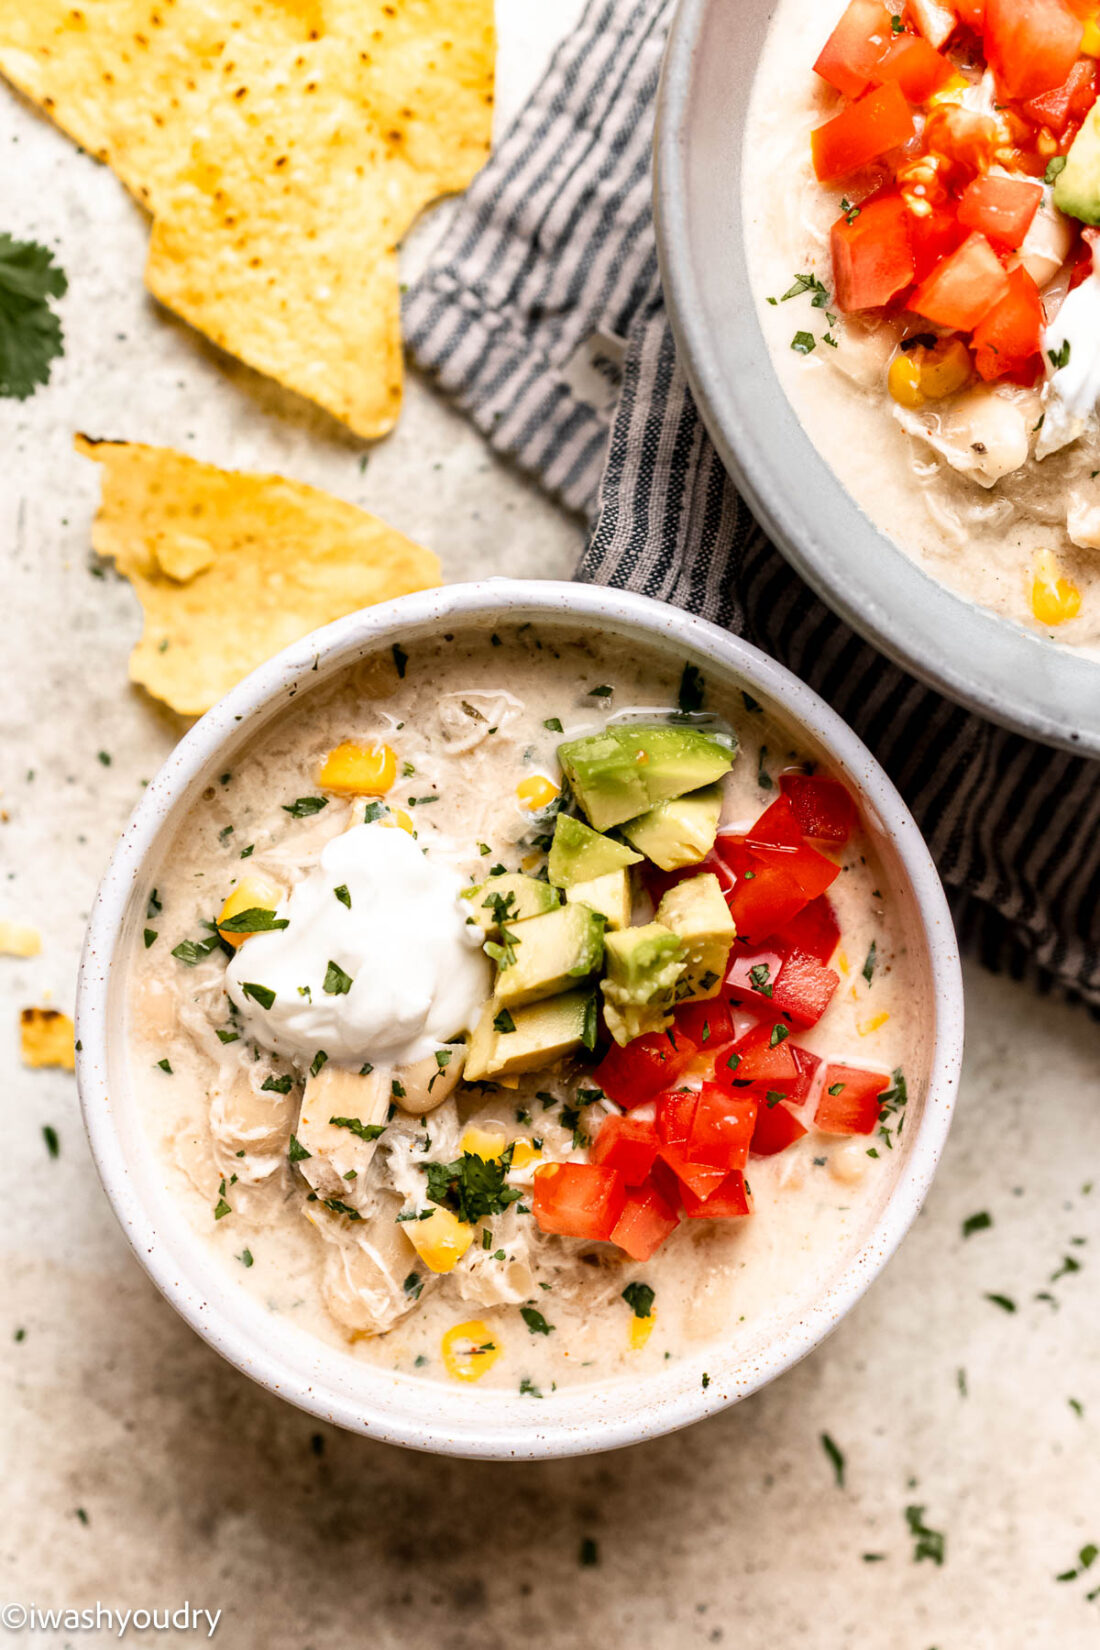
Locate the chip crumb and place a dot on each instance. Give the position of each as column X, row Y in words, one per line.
column 47, row 1038
column 263, row 561
column 19, row 939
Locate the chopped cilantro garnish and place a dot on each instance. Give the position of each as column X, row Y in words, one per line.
column 30, row 332
column 836, row 1459
column 535, row 1321
column 277, row 1085
column 977, row 1223
column 319, row 1059
column 503, row 1022
column 342, row 895
column 297, row 1152
column 472, row 1188
column 639, row 1298
column 553, row 723
column 400, row 659
column 869, row 965
column 337, row 982
column 256, row 920
column 165, row 1065
column 149, row 936
column 365, row 1131
column 261, row 994
column 305, row 805
column 926, row 1543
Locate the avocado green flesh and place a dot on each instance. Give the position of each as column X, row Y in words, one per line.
column 644, row 966
column 552, row 953
column 625, row 770
column 580, row 854
column 678, row 832
column 609, row 895
column 521, row 896
column 544, row 1032
column 698, row 915
column 1077, row 186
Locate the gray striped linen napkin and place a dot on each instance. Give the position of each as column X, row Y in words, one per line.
column 541, row 314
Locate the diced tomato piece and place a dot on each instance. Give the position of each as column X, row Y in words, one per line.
column 918, row 68
column 666, row 1183
column 808, row 1065
column 879, row 121
column 752, row 974
column 1068, row 102
column 675, row 1114
column 709, row 1025
column 823, row 808
column 851, row 52
column 1010, row 337
column 627, row 1145
column 728, row 1202
column 1000, row 208
column 854, row 1106
column 803, row 989
column 579, row 1200
column 872, row 257
column 964, row 287
column 972, row 13
column 777, row 827
column 815, row 931
column 1031, row 45
column 762, row 1055
column 934, row 236
column 632, row 1075
column 773, row 882
column 776, row 1129
column 934, row 18
column 966, row 138
column 646, row 1221
column 704, row 1140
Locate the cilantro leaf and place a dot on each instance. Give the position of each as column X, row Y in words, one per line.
column 365, row 1131
column 30, row 332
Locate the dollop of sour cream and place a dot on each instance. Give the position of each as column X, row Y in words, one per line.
column 1073, row 388
column 378, row 912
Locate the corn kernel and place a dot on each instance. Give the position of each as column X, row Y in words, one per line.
column 250, row 892
column 842, row 962
column 359, row 770
column 484, row 1144
column 1090, row 40
column 524, row 1153
column 945, row 369
column 400, row 820
column 641, row 1329
column 951, row 92
column 536, row 792
column 441, row 1240
column 903, row 381
column 470, row 1349
column 1053, row 598
column 19, row 939
column 865, row 1027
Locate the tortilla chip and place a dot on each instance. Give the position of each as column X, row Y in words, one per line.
column 47, row 1037
column 229, row 568
column 283, row 147
column 19, row 939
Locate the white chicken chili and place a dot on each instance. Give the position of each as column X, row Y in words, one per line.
column 509, row 1014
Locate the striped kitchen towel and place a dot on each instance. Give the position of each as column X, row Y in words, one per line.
column 541, row 314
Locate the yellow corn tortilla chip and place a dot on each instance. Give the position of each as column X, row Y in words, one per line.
column 229, row 568
column 19, row 939
column 47, row 1038
column 283, row 147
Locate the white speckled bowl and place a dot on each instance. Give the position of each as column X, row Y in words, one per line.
column 402, row 1409
column 994, row 666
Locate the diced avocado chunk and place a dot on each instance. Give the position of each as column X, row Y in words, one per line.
column 1077, row 186
column 610, row 896
column 509, row 898
column 644, row 966
column 623, row 771
column 551, row 954
column 680, row 832
column 580, row 854
column 541, row 1034
column 697, row 913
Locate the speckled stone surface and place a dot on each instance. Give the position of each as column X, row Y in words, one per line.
column 141, row 1471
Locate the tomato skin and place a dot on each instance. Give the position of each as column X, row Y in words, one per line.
column 776, row 879
column 1001, row 209
column 1068, row 102
column 815, row 931
column 626, row 1145
column 803, row 989
column 645, row 1223
column 849, row 56
column 919, row 69
column 578, row 1200
column 855, row 1110
column 776, row 1129
column 632, row 1075
column 972, row 13
column 759, row 1060
column 964, row 287
column 729, row 1201
column 745, row 960
column 1031, row 45
column 705, row 1136
column 708, row 1025
column 1010, row 338
column 823, row 808
column 877, row 122
column 933, row 238
column 872, row 258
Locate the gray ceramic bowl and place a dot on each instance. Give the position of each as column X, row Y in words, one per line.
column 985, row 662
column 450, row 1418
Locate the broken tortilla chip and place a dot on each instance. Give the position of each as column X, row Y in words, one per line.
column 19, row 939
column 283, row 150
column 47, row 1038
column 230, row 568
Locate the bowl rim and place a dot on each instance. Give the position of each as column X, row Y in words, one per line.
column 579, row 1419
column 991, row 665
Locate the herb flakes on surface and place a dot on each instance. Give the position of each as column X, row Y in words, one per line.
column 835, row 1457
column 472, row 1188
column 927, row 1543
column 30, row 332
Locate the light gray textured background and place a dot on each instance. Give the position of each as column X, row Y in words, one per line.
column 194, row 1483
